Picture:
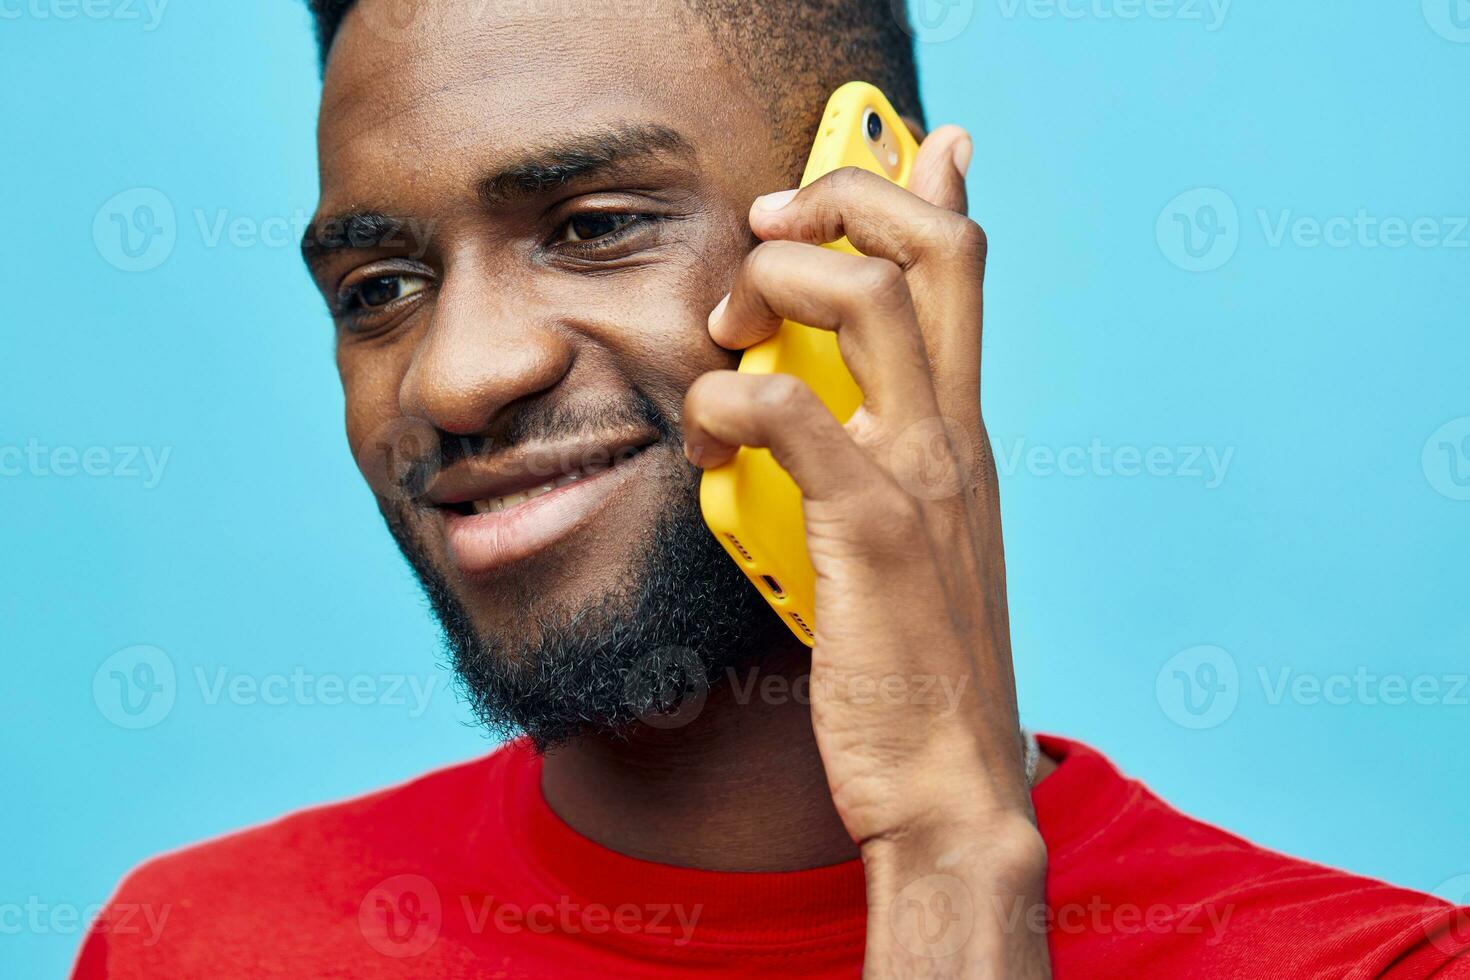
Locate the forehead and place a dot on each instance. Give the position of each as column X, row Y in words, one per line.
column 449, row 85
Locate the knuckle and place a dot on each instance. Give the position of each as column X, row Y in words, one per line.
column 900, row 507
column 783, row 393
column 894, row 518
column 763, row 264
column 756, row 264
column 845, row 179
column 883, row 281
column 706, row 388
column 695, row 396
column 970, row 238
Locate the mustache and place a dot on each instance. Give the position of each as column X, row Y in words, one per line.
column 415, row 451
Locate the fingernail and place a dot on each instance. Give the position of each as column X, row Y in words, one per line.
column 719, row 309
column 775, row 202
column 964, row 150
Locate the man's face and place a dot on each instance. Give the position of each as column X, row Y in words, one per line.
column 525, row 220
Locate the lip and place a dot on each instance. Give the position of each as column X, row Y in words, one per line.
column 529, row 468
column 481, row 543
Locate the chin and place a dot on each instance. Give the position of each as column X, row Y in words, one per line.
column 601, row 627
column 512, row 605
column 581, row 546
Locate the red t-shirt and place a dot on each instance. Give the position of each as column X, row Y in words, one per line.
column 467, row 872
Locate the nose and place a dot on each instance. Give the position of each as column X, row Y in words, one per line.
column 484, row 349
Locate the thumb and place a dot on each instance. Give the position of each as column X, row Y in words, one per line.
column 939, row 170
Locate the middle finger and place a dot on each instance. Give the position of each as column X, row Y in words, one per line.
column 865, row 300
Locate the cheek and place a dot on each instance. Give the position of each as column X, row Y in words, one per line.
column 660, row 340
column 670, row 341
column 370, row 384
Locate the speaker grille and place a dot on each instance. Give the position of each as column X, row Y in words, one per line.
column 735, row 542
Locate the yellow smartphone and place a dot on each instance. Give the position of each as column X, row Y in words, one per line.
column 751, row 504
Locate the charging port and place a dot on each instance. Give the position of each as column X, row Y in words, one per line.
column 774, row 586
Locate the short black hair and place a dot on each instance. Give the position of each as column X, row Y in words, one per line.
column 795, row 53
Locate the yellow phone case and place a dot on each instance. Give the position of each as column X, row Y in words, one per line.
column 751, row 504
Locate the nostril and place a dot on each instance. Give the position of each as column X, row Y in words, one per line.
column 478, row 356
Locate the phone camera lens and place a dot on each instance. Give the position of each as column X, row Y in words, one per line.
column 875, row 126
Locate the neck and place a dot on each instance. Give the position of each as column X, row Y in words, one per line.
column 737, row 787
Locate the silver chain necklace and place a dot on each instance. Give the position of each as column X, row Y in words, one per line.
column 1033, row 755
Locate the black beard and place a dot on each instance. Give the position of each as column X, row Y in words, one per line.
column 647, row 654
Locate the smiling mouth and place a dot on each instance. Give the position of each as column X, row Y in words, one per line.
column 498, row 525
column 518, row 498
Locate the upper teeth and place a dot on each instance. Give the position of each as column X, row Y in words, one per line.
column 496, row 504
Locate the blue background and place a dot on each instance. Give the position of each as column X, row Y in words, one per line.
column 1331, row 545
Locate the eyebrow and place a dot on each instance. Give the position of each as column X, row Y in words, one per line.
column 539, row 171
column 578, row 158
column 352, row 230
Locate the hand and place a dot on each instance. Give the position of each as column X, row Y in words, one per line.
column 913, row 694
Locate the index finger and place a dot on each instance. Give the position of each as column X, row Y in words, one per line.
column 877, row 216
column 939, row 170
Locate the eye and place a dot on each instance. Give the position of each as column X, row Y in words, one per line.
column 376, row 292
column 592, row 226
